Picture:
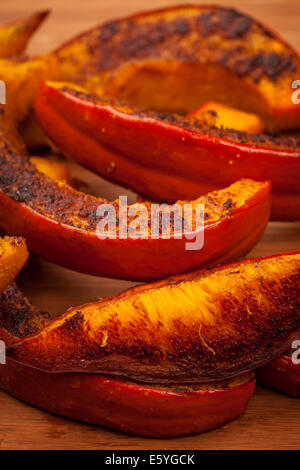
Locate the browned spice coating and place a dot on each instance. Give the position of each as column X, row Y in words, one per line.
column 179, row 37
column 282, row 142
column 17, row 316
column 21, row 181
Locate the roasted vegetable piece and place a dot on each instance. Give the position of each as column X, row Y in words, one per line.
column 155, row 411
column 15, row 36
column 253, row 66
column 60, row 224
column 206, row 325
column 177, row 58
column 167, row 157
column 220, row 115
column 282, row 374
column 13, row 256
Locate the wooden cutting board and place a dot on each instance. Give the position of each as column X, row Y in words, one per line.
column 271, row 420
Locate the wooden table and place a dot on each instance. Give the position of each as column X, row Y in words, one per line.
column 271, row 420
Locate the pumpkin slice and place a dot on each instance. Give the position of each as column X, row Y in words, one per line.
column 202, row 326
column 166, row 157
column 148, row 410
column 177, row 58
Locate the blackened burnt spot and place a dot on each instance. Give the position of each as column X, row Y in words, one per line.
column 268, row 33
column 227, row 17
column 17, row 316
column 274, row 64
column 205, row 24
column 108, row 30
column 134, row 46
column 270, row 64
column 22, row 182
column 158, row 32
column 239, row 27
column 73, row 325
column 226, row 22
column 228, row 203
column 181, row 26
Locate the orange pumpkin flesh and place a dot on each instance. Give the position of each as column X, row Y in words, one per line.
column 220, row 115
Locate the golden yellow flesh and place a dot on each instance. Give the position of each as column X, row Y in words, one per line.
column 13, row 256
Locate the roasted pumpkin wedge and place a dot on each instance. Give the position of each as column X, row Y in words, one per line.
column 60, row 224
column 173, row 51
column 177, row 58
column 15, row 36
column 202, row 326
column 219, row 115
column 282, row 374
column 156, row 411
column 167, row 157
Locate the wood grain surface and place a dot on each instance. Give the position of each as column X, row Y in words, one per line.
column 271, row 420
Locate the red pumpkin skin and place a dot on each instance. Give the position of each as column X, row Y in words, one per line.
column 226, row 240
column 128, row 407
column 161, row 160
column 282, row 375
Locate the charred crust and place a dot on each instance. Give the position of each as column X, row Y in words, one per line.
column 108, row 31
column 181, row 26
column 17, row 315
column 20, row 180
column 281, row 142
column 156, row 37
column 73, row 325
